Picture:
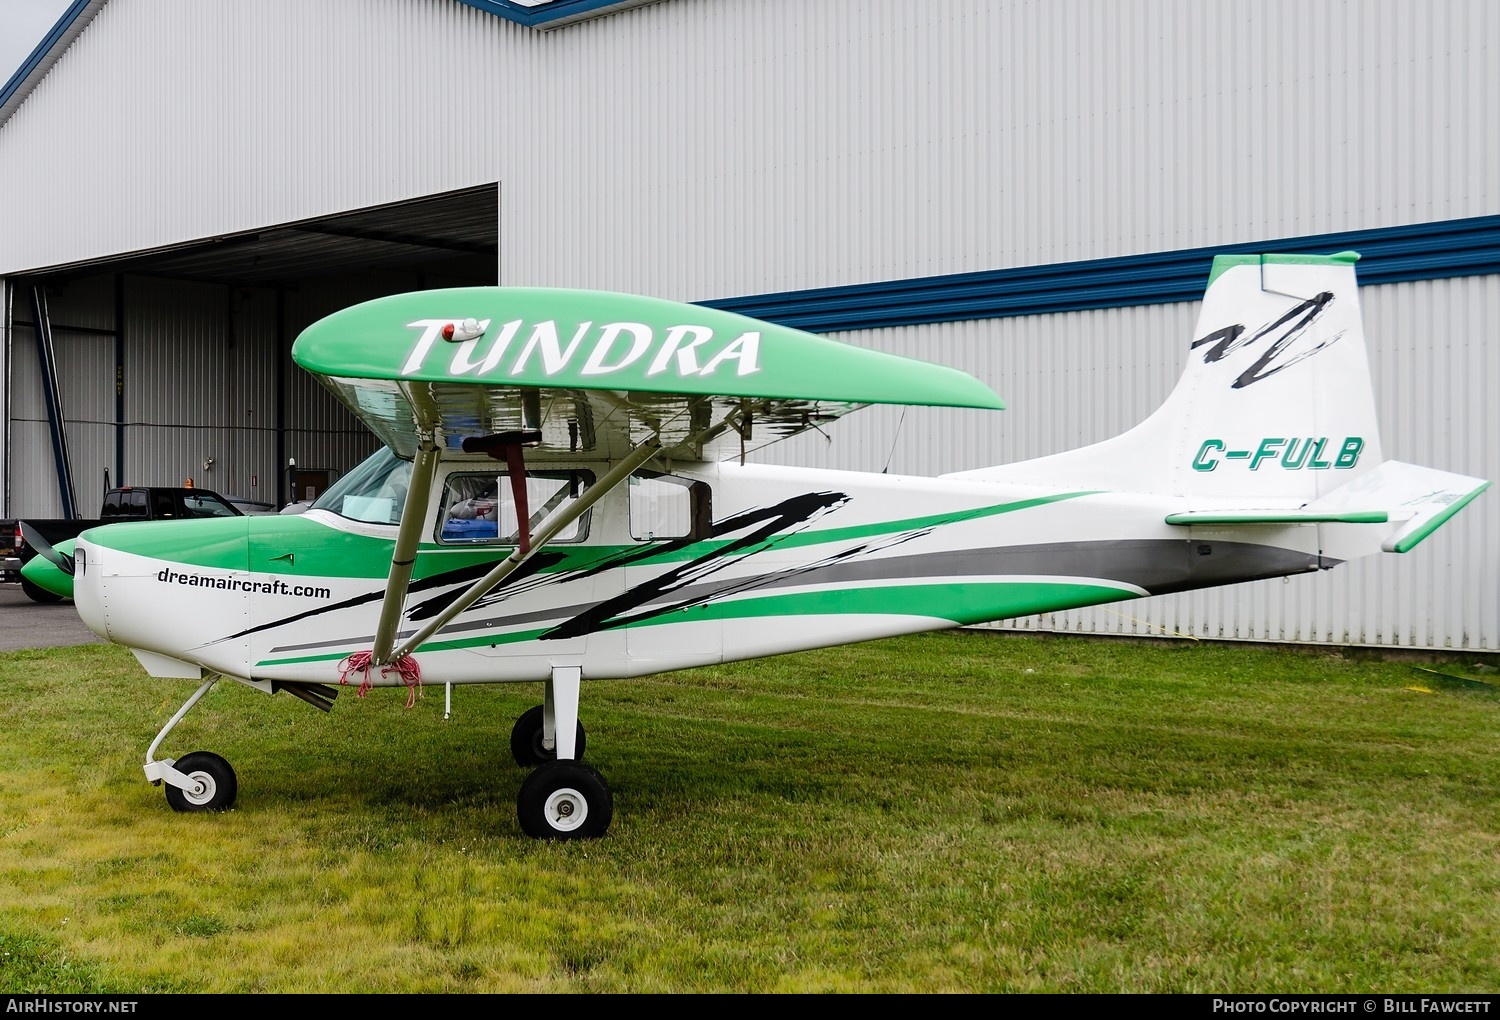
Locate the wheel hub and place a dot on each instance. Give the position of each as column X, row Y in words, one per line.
column 566, row 810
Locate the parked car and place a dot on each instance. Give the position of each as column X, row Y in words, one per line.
column 122, row 503
column 252, row 507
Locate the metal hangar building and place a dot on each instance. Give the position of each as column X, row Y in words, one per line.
column 1030, row 191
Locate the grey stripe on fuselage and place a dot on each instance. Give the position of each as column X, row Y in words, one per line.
column 1158, row 566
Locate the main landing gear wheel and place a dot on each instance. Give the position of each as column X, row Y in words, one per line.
column 214, row 786
column 526, row 740
column 565, row 800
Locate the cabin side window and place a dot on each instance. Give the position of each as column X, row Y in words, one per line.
column 481, row 506
column 664, row 507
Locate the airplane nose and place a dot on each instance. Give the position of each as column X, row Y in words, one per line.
column 88, row 598
column 167, row 587
column 48, row 574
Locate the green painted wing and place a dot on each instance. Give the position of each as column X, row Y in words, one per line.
column 596, row 370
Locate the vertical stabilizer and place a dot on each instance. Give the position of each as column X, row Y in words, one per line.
column 1273, row 408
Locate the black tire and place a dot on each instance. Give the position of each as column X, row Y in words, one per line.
column 526, row 740
column 217, row 786
column 37, row 593
column 565, row 800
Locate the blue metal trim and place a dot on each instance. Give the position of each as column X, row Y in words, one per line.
column 533, row 16
column 1418, row 251
column 29, row 64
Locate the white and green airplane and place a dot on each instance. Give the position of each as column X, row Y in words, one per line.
column 563, row 497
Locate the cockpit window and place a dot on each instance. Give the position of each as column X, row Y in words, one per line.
column 373, row 492
column 481, row 506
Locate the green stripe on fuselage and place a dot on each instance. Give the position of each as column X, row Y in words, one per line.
column 957, row 604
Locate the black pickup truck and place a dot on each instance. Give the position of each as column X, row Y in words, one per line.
column 123, row 503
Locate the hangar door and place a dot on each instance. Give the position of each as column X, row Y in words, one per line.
column 158, row 366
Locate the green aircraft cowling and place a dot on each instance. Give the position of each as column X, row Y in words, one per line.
column 551, row 337
column 47, row 575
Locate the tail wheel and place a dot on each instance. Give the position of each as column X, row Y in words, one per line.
column 565, row 800
column 526, row 740
column 214, row 784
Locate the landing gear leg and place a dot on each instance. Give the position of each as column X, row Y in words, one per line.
column 529, row 742
column 534, row 738
column 201, row 781
column 560, row 711
column 563, row 798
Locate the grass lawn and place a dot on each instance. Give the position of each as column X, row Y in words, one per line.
column 955, row 812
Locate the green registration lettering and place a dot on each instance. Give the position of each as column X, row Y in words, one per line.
column 1349, row 454
column 1316, row 461
column 1202, row 461
column 1267, row 448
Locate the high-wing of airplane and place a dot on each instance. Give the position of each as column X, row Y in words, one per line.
column 562, row 496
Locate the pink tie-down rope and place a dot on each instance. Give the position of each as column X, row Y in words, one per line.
column 406, row 665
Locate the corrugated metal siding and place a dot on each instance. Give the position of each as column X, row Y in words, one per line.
column 197, row 386
column 704, row 150
column 1074, row 379
column 1068, row 380
column 322, row 434
column 1433, row 250
column 199, row 381
column 708, row 149
column 82, row 335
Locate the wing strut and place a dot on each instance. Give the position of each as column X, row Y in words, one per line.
column 404, row 557
column 550, row 527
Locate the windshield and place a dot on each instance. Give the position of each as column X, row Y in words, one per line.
column 374, row 491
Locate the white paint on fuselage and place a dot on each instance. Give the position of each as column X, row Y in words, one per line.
column 283, row 636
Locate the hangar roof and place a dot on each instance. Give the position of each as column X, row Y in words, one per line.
column 538, row 14
column 454, row 234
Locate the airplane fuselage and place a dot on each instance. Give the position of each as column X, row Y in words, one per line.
column 744, row 561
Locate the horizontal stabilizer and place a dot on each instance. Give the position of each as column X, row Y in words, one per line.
column 1426, row 498
column 1416, row 499
column 1302, row 515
